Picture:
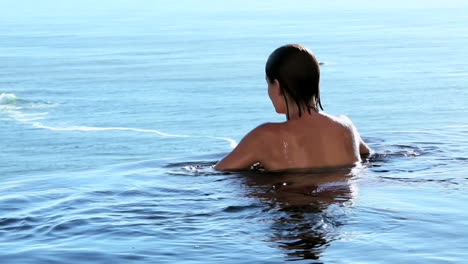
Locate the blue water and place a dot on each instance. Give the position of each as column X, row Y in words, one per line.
column 111, row 116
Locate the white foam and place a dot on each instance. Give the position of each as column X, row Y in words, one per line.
column 88, row 128
column 15, row 113
column 456, row 126
column 7, row 98
column 19, row 116
column 232, row 142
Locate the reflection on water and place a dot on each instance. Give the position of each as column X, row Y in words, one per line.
column 305, row 208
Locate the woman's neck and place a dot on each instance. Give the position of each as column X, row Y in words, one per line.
column 294, row 113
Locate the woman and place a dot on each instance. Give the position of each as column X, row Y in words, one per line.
column 309, row 138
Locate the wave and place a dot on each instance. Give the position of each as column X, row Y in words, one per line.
column 6, row 98
column 13, row 111
column 231, row 141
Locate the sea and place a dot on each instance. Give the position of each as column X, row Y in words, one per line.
column 113, row 113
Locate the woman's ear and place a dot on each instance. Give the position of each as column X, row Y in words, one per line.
column 277, row 87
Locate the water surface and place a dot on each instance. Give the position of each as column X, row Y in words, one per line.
column 111, row 118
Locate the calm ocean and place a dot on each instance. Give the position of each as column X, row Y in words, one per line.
column 112, row 113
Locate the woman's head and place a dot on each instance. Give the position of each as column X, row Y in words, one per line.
column 296, row 70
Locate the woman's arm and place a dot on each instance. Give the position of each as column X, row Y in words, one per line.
column 363, row 148
column 250, row 150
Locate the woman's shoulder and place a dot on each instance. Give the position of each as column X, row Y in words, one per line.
column 270, row 126
column 346, row 121
column 341, row 120
column 267, row 130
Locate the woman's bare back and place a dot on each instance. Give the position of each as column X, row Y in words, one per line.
column 316, row 140
column 312, row 141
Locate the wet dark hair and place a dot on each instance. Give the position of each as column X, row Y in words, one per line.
column 298, row 73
